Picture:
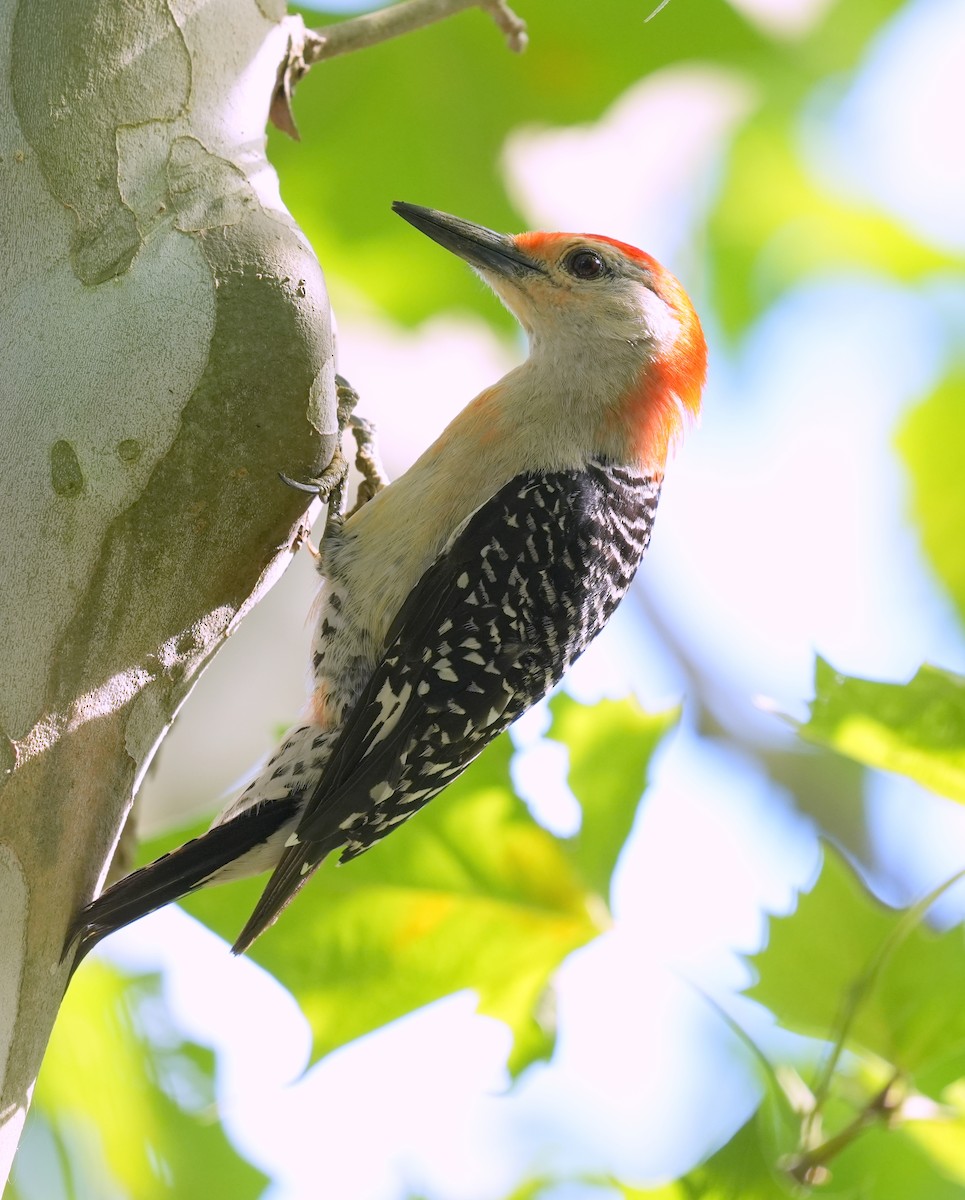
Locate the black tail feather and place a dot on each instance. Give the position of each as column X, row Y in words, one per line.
column 174, row 875
column 294, row 869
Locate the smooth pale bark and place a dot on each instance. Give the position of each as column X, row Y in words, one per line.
column 164, row 350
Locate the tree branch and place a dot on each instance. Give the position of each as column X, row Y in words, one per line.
column 372, row 28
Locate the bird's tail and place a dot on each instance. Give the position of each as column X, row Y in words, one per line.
column 174, row 875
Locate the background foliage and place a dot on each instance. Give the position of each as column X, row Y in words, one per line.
column 868, row 1097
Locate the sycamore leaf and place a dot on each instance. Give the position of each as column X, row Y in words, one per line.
column 471, row 893
column 890, row 1164
column 611, row 748
column 844, row 965
column 916, row 729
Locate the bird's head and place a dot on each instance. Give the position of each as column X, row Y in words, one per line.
column 596, row 305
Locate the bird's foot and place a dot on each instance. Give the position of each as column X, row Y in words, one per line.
column 303, row 537
column 367, row 462
column 329, row 486
column 346, row 398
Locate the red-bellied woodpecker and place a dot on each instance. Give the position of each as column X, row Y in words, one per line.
column 458, row 595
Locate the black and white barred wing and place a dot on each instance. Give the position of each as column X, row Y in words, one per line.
column 524, row 586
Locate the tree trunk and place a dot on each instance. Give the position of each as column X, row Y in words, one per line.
column 164, row 351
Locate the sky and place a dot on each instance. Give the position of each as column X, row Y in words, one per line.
column 782, row 533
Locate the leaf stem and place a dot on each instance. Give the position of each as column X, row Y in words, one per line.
column 862, row 987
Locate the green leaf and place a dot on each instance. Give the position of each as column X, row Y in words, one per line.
column 469, row 894
column 775, row 226
column 942, row 1137
column 775, row 222
column 472, row 893
column 845, row 965
column 916, row 729
column 920, row 1159
column 611, row 747
column 425, row 118
column 890, row 1164
column 739, row 1170
column 116, row 1128
column 931, row 442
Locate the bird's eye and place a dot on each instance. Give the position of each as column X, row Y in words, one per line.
column 584, row 264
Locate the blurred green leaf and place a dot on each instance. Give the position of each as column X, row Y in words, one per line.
column 916, row 729
column 472, row 893
column 931, row 442
column 844, row 961
column 919, row 1159
column 611, row 747
column 890, row 1164
column 739, row 1170
column 775, row 225
column 116, row 1129
column 425, row 118
column 942, row 1137
column 587, row 1187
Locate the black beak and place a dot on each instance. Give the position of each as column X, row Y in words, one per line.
column 480, row 247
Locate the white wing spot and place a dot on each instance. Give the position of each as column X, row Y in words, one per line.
column 389, row 717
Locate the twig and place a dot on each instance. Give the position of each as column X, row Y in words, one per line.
column 863, row 985
column 309, row 46
column 369, row 29
column 807, row 1166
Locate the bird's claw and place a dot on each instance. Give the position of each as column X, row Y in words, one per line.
column 329, row 486
column 310, row 487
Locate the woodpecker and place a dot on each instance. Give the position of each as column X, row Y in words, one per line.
column 459, row 594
